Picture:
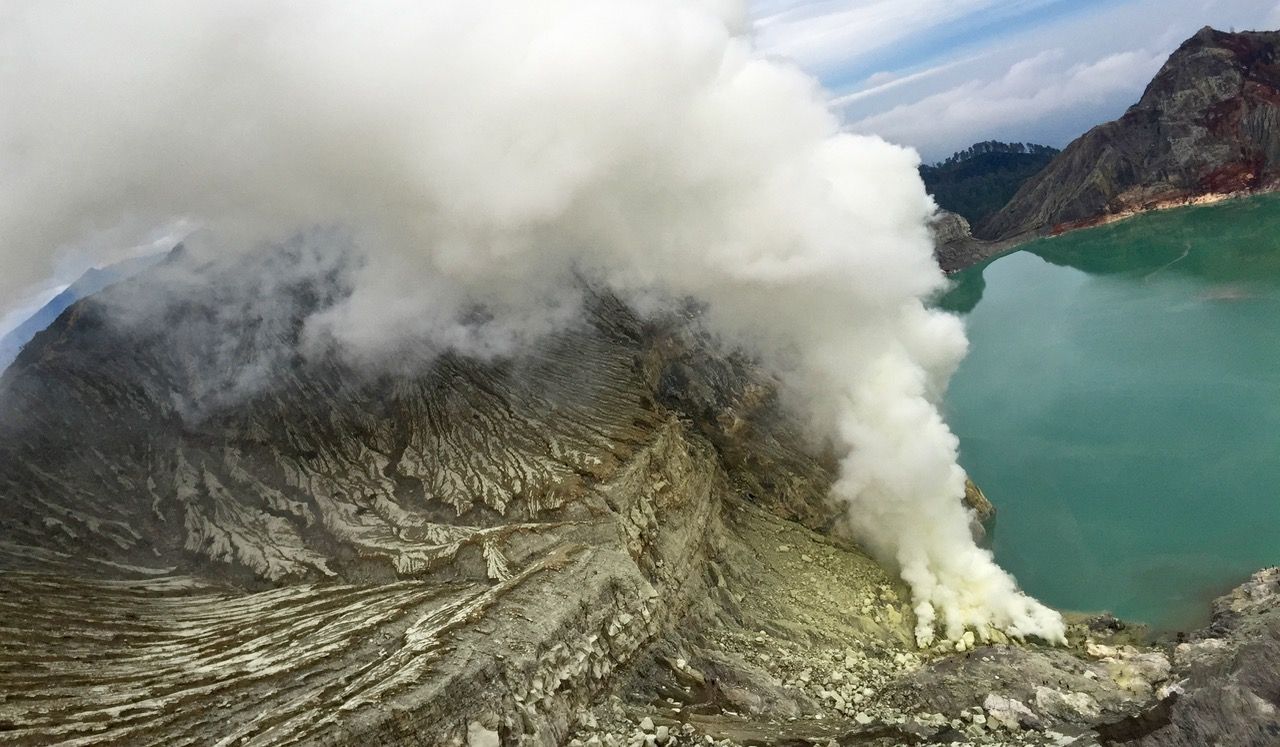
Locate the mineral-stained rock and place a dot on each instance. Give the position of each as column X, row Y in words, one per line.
column 982, row 514
column 1226, row 678
column 1059, row 687
column 1208, row 124
column 978, row 502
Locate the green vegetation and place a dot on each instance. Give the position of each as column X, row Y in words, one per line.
column 979, row 180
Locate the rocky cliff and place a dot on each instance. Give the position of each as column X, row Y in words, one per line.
column 617, row 537
column 955, row 247
column 1208, row 124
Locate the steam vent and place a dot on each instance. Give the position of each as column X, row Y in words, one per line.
column 557, row 373
column 619, row 529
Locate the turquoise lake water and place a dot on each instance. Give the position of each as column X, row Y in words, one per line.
column 1121, row 407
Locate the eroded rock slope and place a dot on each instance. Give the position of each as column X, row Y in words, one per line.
column 615, row 538
column 330, row 556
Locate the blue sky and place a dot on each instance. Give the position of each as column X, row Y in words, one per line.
column 941, row 74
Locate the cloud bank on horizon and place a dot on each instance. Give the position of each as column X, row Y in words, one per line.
column 940, row 75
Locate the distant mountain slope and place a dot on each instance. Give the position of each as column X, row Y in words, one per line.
column 94, row 280
column 978, row 181
column 1207, row 124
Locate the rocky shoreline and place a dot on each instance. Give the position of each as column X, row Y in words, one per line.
column 1105, row 688
column 956, row 248
column 1205, row 125
column 1206, row 128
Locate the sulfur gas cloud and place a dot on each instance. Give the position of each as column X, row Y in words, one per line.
column 484, row 154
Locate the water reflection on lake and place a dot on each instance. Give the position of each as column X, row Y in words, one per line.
column 1121, row 407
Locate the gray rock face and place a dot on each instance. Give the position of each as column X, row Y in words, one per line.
column 955, row 246
column 950, row 227
column 331, row 557
column 1227, row 676
column 618, row 525
column 1208, row 123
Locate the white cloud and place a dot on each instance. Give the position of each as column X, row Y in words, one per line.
column 884, row 82
column 928, row 53
column 1030, row 91
column 820, row 35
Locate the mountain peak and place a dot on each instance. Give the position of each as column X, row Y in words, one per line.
column 1208, row 123
column 93, row 280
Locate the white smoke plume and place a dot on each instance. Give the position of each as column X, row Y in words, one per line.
column 485, row 152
